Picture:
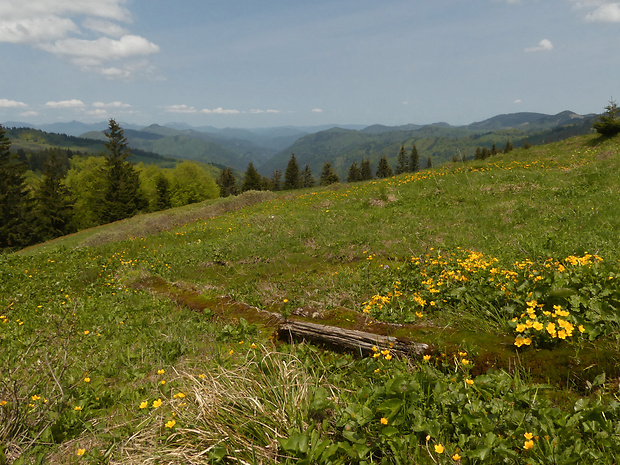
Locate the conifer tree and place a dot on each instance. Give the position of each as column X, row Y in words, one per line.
column 526, row 144
column 123, row 197
column 355, row 174
column 227, row 182
column 383, row 168
column 252, row 180
column 53, row 206
column 402, row 163
column 14, row 200
column 494, row 149
column 508, row 147
column 608, row 123
column 307, row 179
column 366, row 170
column 328, row 175
column 276, row 180
column 414, row 160
column 163, row 194
column 429, row 163
column 292, row 177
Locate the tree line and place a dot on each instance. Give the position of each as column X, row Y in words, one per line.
column 75, row 192
column 296, row 178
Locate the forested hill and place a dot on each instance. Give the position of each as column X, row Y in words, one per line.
column 34, row 145
column 440, row 142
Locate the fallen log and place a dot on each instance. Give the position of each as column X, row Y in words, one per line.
column 349, row 338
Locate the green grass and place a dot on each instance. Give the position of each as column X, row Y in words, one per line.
column 182, row 290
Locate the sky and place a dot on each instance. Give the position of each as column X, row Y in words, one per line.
column 249, row 63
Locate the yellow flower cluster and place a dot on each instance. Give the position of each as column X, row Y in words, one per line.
column 532, row 324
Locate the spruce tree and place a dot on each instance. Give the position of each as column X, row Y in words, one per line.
column 508, row 148
column 122, row 197
column 355, row 174
column 383, row 168
column 276, row 180
column 328, row 175
column 366, row 170
column 227, row 182
column 608, row 123
column 402, row 163
column 252, row 181
column 14, row 200
column 414, row 160
column 163, row 194
column 292, row 177
column 307, row 179
column 53, row 205
column 429, row 163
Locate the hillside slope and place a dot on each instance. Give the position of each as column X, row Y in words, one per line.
column 157, row 336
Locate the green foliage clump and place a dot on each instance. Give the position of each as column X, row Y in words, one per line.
column 608, row 123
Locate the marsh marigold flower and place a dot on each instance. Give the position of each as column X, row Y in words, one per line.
column 171, row 424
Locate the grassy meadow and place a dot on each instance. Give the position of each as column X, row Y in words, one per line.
column 154, row 340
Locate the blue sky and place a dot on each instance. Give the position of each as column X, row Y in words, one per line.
column 248, row 63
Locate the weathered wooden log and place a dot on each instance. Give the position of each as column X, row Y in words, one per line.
column 349, row 338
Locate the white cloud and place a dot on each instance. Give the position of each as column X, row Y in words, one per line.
column 28, row 114
column 608, row 13
column 180, row 109
column 74, row 103
column 50, row 26
column 317, row 110
column 543, row 46
column 35, row 30
column 518, row 101
column 220, row 111
column 107, row 28
column 258, row 112
column 4, row 103
column 96, row 52
column 111, row 105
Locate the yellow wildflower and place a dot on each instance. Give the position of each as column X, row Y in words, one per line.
column 439, row 448
column 157, row 403
column 528, row 436
column 528, row 444
column 80, row 452
column 87, row 380
column 179, row 395
column 77, row 408
column 144, row 404
column 384, row 421
column 160, row 372
column 171, row 424
column 469, row 381
column 456, row 457
column 426, row 358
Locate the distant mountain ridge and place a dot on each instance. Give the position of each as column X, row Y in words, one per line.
column 270, row 148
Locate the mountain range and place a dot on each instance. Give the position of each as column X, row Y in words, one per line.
column 270, row 149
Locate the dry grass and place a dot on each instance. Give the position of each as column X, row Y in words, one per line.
column 241, row 410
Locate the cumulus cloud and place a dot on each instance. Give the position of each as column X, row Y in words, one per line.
column 73, row 103
column 220, row 111
column 100, row 39
column 608, row 13
column 4, row 103
column 180, row 109
column 96, row 52
column 111, row 105
column 543, row 46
